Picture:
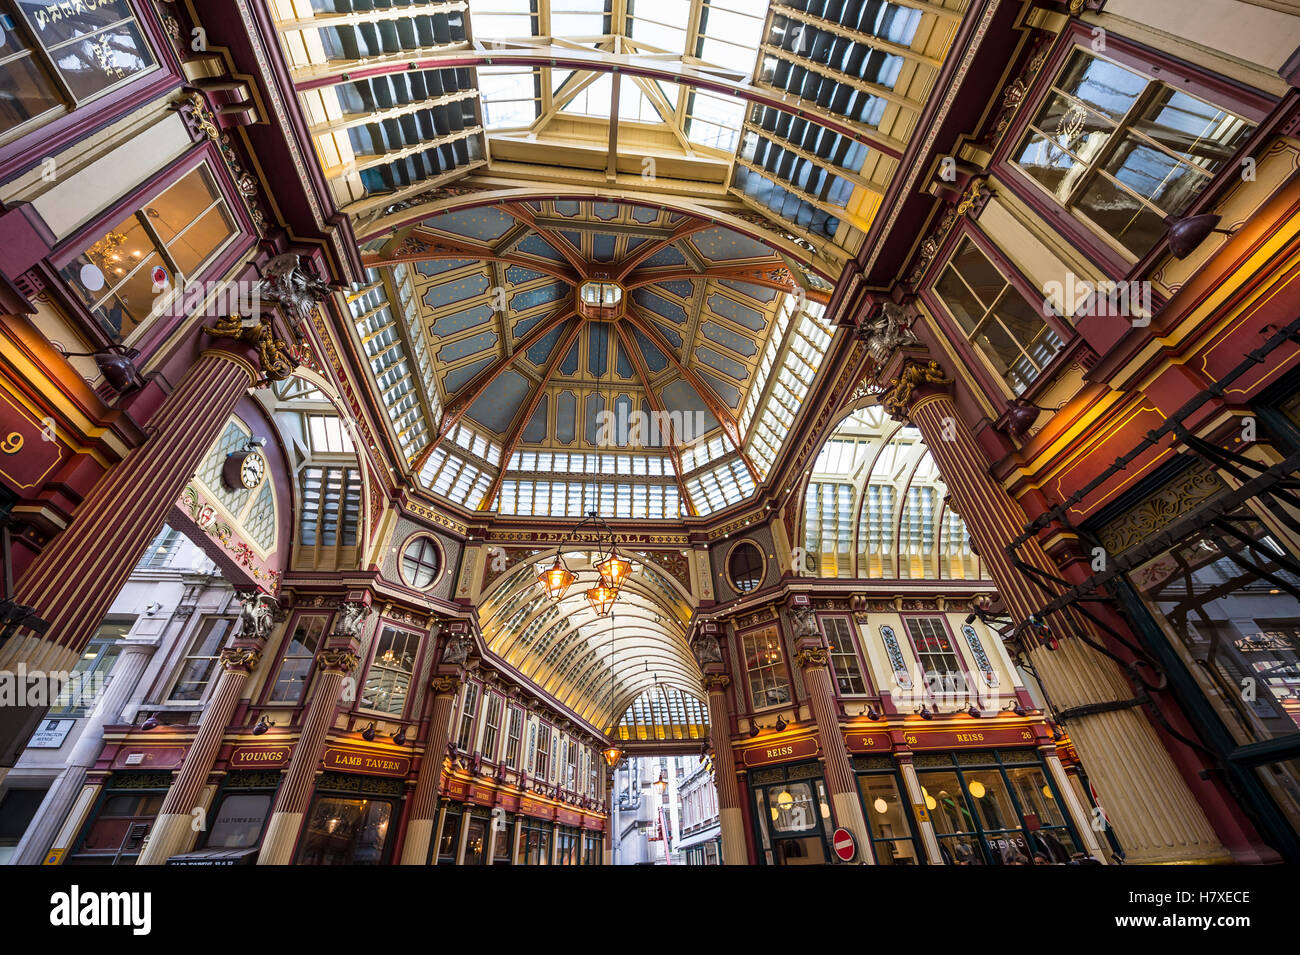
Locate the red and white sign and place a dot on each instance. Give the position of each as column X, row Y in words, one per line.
column 845, row 847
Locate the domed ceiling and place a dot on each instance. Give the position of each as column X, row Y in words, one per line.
column 557, row 356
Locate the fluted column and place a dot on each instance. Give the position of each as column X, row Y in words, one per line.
column 1080, row 815
column 724, row 770
column 131, row 662
column 916, row 797
column 1154, row 813
column 72, row 583
column 424, row 802
column 336, row 660
column 173, row 831
column 814, row 659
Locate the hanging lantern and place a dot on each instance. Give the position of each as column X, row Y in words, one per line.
column 556, row 579
column 612, row 755
column 661, row 786
column 614, row 568
column 601, row 597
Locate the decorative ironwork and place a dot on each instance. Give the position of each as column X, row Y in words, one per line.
column 1177, row 497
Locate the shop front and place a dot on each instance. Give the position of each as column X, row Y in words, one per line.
column 353, row 814
column 888, row 814
column 121, row 819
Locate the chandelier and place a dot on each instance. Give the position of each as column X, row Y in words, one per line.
column 611, row 567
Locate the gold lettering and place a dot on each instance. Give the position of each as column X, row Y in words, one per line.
column 12, row 444
column 970, row 737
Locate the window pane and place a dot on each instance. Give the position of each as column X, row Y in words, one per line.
column 25, row 90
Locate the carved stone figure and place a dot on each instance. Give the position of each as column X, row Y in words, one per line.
column 257, row 615
column 897, row 396
column 458, row 650
column 707, row 649
column 349, row 618
column 886, row 331
column 294, row 286
column 805, row 622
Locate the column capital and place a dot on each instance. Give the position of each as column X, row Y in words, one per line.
column 339, row 659
column 916, row 377
column 716, row 682
column 812, row 656
column 445, row 684
column 243, row 658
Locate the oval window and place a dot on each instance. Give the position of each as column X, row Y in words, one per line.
column 745, row 567
column 420, row 562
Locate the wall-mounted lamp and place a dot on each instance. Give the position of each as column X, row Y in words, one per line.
column 368, row 734
column 400, row 737
column 974, row 711
column 116, row 363
column 262, row 725
column 924, row 712
column 1015, row 707
column 1185, row 234
column 873, row 713
column 780, row 724
column 150, row 722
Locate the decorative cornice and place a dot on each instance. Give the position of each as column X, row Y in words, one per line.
column 813, row 657
column 716, row 682
column 341, row 659
column 896, row 399
column 240, row 658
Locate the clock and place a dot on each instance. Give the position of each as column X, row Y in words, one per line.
column 244, row 470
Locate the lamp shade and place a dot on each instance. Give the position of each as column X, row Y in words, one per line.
column 612, row 755
column 601, row 597
column 1186, row 234
column 556, row 579
column 614, row 568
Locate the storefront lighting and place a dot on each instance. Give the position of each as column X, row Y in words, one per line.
column 612, row 755
column 780, row 724
column 368, row 734
column 973, row 710
column 880, row 805
column 873, row 714
column 1047, row 791
column 977, row 789
column 1015, row 707
column 262, row 726
column 826, row 811
column 924, row 712
column 929, row 800
column 784, row 800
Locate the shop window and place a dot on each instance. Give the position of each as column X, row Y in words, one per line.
column 491, row 727
column 389, row 678
column 420, row 563
column 345, row 832
column 1005, row 327
column 767, row 681
column 944, row 674
column 201, row 660
column 449, row 839
column 844, row 656
column 1122, row 151
column 119, row 829
column 514, row 733
column 468, row 717
column 534, row 844
column 90, row 677
column 792, row 816
column 476, row 832
column 745, row 567
column 503, row 846
column 17, row 809
column 295, row 666
column 239, row 820
column 60, row 55
column 889, row 819
column 123, row 275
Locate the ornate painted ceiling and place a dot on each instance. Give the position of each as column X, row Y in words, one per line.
column 657, row 401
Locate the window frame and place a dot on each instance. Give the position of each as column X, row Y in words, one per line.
column 471, row 693
column 268, row 695
column 419, row 537
column 375, row 637
column 970, row 689
column 493, row 703
column 864, row 672
column 1156, row 66
column 781, row 665
column 976, row 361
column 512, row 761
column 200, row 630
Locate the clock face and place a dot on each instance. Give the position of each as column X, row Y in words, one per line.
column 252, row 469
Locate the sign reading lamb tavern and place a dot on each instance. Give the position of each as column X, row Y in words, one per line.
column 366, row 762
column 780, row 752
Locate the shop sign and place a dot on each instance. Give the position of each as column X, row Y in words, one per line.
column 152, row 757
column 455, row 789
column 480, row 796
column 366, row 763
column 980, row 736
column 593, row 822
column 568, row 817
column 870, row 741
column 267, row 757
column 508, row 802
column 780, row 752
column 29, row 448
column 531, row 807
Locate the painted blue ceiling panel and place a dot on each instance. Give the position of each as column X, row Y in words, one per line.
column 645, row 214
column 518, row 275
column 534, row 244
column 760, row 292
column 449, row 325
column 682, row 288
column 454, row 351
column 500, row 401
column 740, row 314
column 566, row 414
column 635, row 242
column 531, row 298
column 535, row 433
column 573, row 237
column 602, row 247
column 567, row 208
column 458, row 378
column 438, row 266
column 651, row 300
column 669, row 333
column 667, row 257
column 485, row 224
column 542, row 348
column 729, row 339
column 721, row 363
column 605, row 211
column 595, row 405
column 655, row 360
column 570, row 364
column 623, row 365
column 440, row 296
column 724, row 390
column 598, row 348
column 680, row 397
column 722, row 245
